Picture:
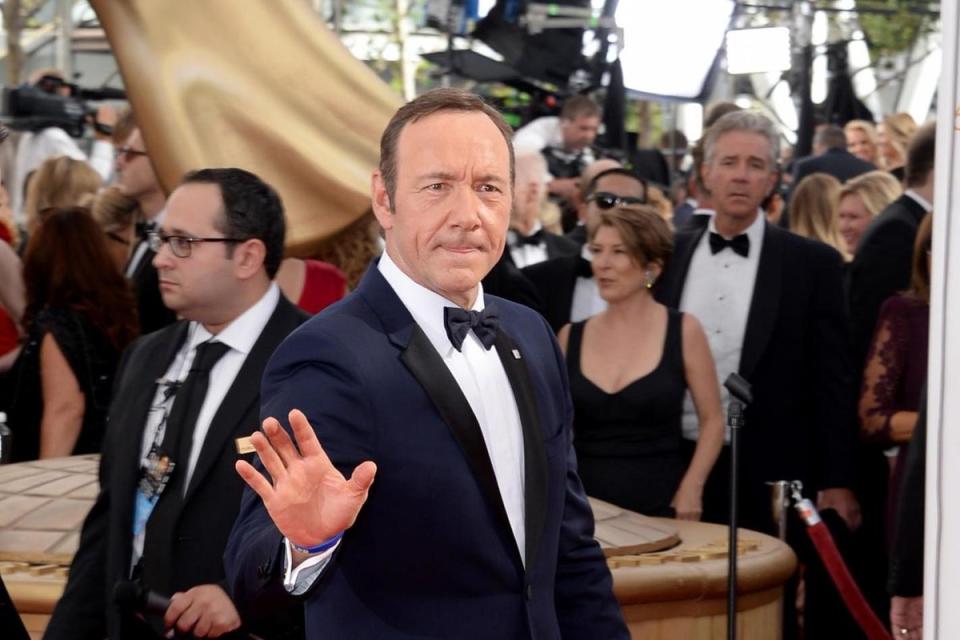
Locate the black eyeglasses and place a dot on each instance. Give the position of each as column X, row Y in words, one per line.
column 606, row 200
column 128, row 153
column 181, row 246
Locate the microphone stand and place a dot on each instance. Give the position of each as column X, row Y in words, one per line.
column 740, row 397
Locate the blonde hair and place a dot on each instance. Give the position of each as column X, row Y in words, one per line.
column 114, row 210
column 813, row 211
column 876, row 189
column 899, row 129
column 60, row 182
column 866, row 128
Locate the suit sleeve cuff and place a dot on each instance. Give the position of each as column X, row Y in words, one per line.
column 298, row 581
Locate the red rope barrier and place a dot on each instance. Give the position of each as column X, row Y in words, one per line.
column 849, row 591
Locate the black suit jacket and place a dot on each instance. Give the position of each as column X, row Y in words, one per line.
column 577, row 235
column 881, row 267
column 795, row 355
column 906, row 554
column 507, row 281
column 192, row 547
column 153, row 314
column 554, row 281
column 839, row 163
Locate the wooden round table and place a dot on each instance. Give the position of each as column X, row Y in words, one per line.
column 668, row 575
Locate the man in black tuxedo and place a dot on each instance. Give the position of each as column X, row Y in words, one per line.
column 528, row 242
column 771, row 304
column 882, row 264
column 581, row 207
column 185, row 398
column 137, row 179
column 565, row 285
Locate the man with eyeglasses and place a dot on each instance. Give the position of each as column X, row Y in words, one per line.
column 138, row 180
column 185, row 398
column 567, row 289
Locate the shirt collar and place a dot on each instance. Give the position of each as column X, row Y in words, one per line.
column 754, row 232
column 424, row 305
column 513, row 234
column 919, row 199
column 241, row 334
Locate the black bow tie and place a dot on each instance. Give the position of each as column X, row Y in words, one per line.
column 534, row 239
column 584, row 268
column 145, row 228
column 458, row 323
column 739, row 244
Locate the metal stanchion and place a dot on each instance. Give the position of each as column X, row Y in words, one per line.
column 740, row 397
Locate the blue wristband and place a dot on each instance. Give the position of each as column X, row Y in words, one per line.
column 320, row 548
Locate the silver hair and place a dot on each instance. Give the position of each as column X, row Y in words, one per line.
column 749, row 121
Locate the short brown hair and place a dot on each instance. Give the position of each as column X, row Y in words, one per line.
column 921, row 154
column 644, row 232
column 579, row 105
column 920, row 276
column 428, row 104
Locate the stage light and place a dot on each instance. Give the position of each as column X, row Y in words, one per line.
column 669, row 47
column 758, row 50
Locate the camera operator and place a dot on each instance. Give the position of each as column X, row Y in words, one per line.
column 37, row 146
column 564, row 141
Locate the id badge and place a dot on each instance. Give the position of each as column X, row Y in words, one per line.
column 142, row 508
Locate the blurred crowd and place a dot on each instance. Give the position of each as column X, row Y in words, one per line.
column 810, row 277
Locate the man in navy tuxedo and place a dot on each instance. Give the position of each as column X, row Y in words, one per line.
column 477, row 525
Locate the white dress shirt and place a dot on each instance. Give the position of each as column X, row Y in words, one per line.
column 483, row 381
column 36, row 147
column 525, row 255
column 718, row 292
column 586, row 294
column 919, row 199
column 240, row 335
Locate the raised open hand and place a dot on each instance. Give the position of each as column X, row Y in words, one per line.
column 309, row 500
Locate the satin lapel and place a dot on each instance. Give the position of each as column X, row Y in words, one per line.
column 670, row 288
column 765, row 302
column 534, row 455
column 428, row 368
column 243, row 395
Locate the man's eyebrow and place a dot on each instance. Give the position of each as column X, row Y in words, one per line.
column 436, row 175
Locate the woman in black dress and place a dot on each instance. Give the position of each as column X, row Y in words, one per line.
column 629, row 368
column 80, row 314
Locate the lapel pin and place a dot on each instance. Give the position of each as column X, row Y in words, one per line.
column 244, row 446
column 516, row 354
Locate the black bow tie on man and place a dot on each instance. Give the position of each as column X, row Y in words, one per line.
column 535, row 239
column 739, row 244
column 458, row 323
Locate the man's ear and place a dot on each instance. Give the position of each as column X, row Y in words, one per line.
column 248, row 257
column 382, row 207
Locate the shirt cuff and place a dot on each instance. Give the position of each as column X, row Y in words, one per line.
column 298, row 581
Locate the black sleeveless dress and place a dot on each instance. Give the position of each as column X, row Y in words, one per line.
column 628, row 443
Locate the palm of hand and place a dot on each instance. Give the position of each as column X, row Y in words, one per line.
column 308, row 500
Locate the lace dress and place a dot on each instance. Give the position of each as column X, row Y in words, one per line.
column 894, row 375
column 93, row 361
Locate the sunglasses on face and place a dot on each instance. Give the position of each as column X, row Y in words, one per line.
column 606, row 200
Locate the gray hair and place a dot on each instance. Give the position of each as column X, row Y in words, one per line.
column 749, row 121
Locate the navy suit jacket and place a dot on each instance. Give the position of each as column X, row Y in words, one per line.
column 431, row 553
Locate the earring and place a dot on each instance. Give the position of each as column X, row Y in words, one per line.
column 648, row 275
